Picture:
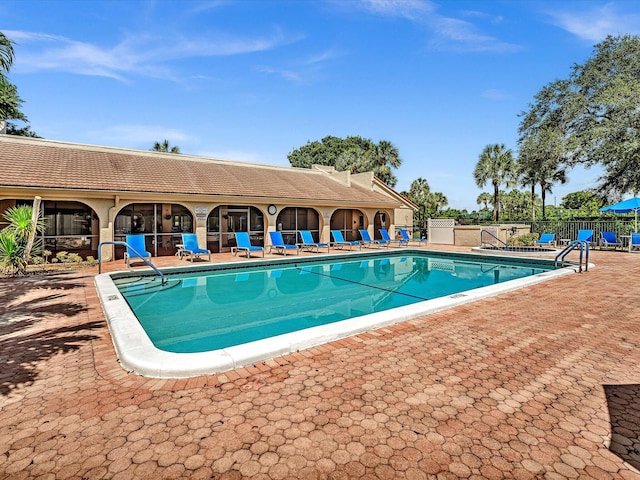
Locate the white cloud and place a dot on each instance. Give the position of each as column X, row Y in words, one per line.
column 449, row 33
column 410, row 9
column 284, row 73
column 145, row 55
column 595, row 24
column 322, row 57
column 302, row 70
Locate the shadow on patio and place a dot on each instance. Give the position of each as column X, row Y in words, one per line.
column 34, row 325
column 623, row 402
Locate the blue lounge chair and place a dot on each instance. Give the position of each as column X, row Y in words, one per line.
column 190, row 247
column 243, row 242
column 634, row 242
column 367, row 241
column 609, row 239
column 135, row 248
column 387, row 238
column 340, row 242
column 586, row 236
column 277, row 242
column 407, row 237
column 548, row 239
column 309, row 244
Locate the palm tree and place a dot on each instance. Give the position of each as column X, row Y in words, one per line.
column 540, row 161
column 382, row 159
column 6, row 54
column 437, row 200
column 484, row 199
column 528, row 174
column 387, row 154
column 419, row 193
column 550, row 173
column 9, row 100
column 164, row 147
column 495, row 165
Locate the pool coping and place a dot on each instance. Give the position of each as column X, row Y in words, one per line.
column 136, row 352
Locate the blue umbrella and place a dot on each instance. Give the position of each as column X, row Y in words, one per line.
column 626, row 206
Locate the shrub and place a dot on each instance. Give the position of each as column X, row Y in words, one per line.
column 61, row 257
column 526, row 240
column 74, row 258
column 15, row 237
column 12, row 257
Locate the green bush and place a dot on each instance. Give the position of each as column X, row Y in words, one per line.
column 74, row 258
column 526, row 240
column 12, row 258
column 61, row 257
column 15, row 237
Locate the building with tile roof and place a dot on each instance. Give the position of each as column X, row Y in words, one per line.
column 92, row 194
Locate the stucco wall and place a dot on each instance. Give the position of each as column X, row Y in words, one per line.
column 469, row 235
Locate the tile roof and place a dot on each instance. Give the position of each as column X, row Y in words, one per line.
column 37, row 163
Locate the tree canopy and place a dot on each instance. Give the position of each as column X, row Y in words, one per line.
column 596, row 112
column 7, row 54
column 10, row 101
column 429, row 203
column 353, row 153
column 497, row 167
column 540, row 162
column 164, row 146
column 586, row 202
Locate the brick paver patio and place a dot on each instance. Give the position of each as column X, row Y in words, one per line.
column 538, row 383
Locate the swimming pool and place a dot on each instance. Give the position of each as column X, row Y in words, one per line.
column 230, row 315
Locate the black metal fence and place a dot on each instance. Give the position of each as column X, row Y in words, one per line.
column 569, row 228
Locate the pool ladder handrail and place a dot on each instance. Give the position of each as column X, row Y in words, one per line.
column 584, row 247
column 482, row 242
column 125, row 244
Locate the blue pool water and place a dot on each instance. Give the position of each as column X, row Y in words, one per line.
column 210, row 310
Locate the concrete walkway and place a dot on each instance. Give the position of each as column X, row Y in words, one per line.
column 537, row 383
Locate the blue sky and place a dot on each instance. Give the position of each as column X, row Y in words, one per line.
column 252, row 80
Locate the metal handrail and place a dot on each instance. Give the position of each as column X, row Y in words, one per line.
column 584, row 247
column 125, row 244
column 504, row 244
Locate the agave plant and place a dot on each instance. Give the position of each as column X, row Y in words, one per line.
column 12, row 259
column 15, row 237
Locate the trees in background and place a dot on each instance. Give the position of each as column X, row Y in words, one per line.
column 585, row 203
column 437, row 200
column 10, row 101
column 429, row 203
column 353, row 153
column 514, row 204
column 595, row 113
column 7, row 53
column 495, row 166
column 484, row 199
column 540, row 163
column 165, row 147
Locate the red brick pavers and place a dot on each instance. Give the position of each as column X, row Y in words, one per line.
column 538, row 383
